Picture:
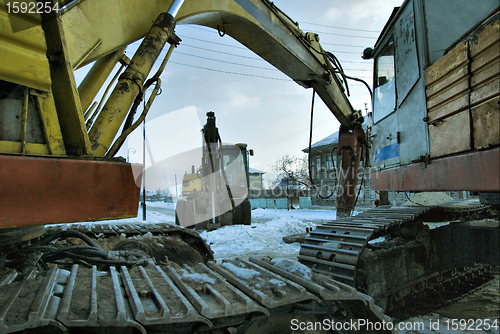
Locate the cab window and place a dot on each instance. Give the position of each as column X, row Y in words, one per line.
column 385, row 86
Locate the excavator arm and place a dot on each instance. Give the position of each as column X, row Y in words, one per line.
column 258, row 25
column 95, row 31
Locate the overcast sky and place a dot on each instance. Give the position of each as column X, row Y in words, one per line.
column 253, row 102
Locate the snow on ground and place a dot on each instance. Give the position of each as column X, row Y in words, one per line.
column 302, row 214
column 256, row 240
column 159, row 204
column 428, row 198
column 259, row 239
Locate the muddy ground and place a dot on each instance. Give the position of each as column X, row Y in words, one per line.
column 483, row 304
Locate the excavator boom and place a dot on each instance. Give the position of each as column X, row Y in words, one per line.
column 89, row 31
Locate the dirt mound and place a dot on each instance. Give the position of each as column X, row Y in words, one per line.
column 428, row 198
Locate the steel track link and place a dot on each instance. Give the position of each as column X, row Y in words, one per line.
column 334, row 248
column 179, row 300
column 143, row 299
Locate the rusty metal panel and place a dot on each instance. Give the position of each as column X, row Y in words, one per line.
column 486, row 34
column 485, row 66
column 461, row 86
column 37, row 191
column 23, row 50
column 475, row 171
column 486, row 124
column 450, row 135
column 447, row 85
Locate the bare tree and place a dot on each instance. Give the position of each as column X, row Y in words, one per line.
column 293, row 168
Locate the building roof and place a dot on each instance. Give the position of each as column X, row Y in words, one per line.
column 255, row 171
column 329, row 140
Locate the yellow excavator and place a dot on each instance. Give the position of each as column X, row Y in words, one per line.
column 216, row 194
column 434, row 128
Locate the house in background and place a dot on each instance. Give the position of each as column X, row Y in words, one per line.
column 325, row 164
column 255, row 179
column 325, row 161
column 289, row 183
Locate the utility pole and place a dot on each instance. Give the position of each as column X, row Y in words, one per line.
column 144, row 170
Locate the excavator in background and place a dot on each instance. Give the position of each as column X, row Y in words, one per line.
column 215, row 195
column 434, row 127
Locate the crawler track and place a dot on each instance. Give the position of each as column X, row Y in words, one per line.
column 334, row 248
column 168, row 298
column 341, row 249
column 151, row 298
column 208, row 297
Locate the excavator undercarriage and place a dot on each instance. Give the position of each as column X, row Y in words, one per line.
column 160, row 278
column 143, row 292
column 392, row 255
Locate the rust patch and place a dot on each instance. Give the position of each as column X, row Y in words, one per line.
column 37, row 191
column 473, row 171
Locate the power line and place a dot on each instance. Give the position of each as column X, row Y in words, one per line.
column 253, row 58
column 354, row 61
column 232, row 63
column 335, row 34
column 228, row 62
column 222, row 52
column 256, row 58
column 317, row 32
column 211, row 42
column 245, row 48
column 194, row 26
column 245, row 65
column 228, row 72
column 252, row 66
column 351, row 52
column 346, row 45
column 334, row 27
